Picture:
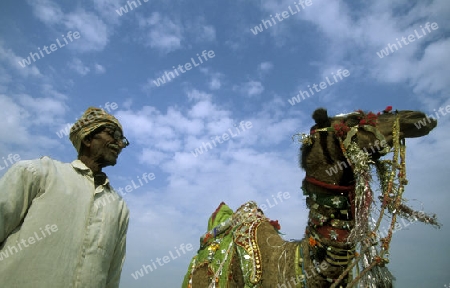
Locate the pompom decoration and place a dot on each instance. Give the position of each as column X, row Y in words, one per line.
column 312, row 242
column 275, row 224
column 341, row 129
column 368, row 119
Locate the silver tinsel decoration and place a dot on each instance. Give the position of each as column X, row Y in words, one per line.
column 363, row 194
column 378, row 276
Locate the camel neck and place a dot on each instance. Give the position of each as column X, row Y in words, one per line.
column 330, row 221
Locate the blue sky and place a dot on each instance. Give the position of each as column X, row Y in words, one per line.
column 116, row 61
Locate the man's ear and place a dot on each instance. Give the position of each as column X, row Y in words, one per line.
column 86, row 142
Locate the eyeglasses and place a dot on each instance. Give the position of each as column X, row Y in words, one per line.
column 115, row 133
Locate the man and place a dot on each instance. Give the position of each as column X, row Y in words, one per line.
column 58, row 225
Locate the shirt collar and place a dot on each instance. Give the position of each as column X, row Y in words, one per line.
column 80, row 166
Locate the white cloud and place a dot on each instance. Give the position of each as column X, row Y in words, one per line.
column 47, row 11
column 27, row 117
column 208, row 33
column 46, row 111
column 265, row 67
column 215, row 83
column 5, row 79
column 107, row 9
column 152, row 157
column 49, row 90
column 77, row 65
column 375, row 27
column 99, row 69
column 431, row 70
column 205, row 110
column 8, row 56
column 168, row 33
column 93, row 31
column 201, row 31
column 250, row 88
column 162, row 33
column 198, row 95
column 15, row 118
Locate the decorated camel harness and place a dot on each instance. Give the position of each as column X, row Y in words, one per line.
column 343, row 244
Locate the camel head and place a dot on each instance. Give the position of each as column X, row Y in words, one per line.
column 322, row 156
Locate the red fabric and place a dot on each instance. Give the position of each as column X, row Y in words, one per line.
column 324, row 232
column 328, row 186
column 275, row 224
column 213, row 216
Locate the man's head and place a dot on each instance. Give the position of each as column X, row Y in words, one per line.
column 98, row 139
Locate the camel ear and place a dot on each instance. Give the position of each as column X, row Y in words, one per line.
column 321, row 118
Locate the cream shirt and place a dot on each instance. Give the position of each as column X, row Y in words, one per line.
column 57, row 229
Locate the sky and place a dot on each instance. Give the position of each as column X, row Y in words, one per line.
column 179, row 75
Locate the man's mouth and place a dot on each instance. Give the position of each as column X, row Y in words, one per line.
column 114, row 148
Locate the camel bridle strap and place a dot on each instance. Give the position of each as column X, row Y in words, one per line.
column 322, row 184
column 353, row 131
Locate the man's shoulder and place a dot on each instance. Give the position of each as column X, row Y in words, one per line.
column 50, row 161
column 39, row 164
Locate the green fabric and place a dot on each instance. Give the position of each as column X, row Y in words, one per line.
column 217, row 246
column 221, row 217
column 334, row 201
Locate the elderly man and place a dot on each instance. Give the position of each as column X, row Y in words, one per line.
column 53, row 232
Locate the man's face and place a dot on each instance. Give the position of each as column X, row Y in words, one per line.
column 104, row 149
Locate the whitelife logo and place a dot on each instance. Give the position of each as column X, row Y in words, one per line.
column 284, row 15
column 11, row 159
column 10, row 250
column 124, row 9
column 166, row 259
column 422, row 123
column 53, row 48
column 169, row 76
column 323, row 85
column 225, row 137
column 281, row 197
column 343, row 164
column 111, row 197
column 411, row 38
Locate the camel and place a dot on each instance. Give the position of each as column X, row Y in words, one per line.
column 342, row 247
